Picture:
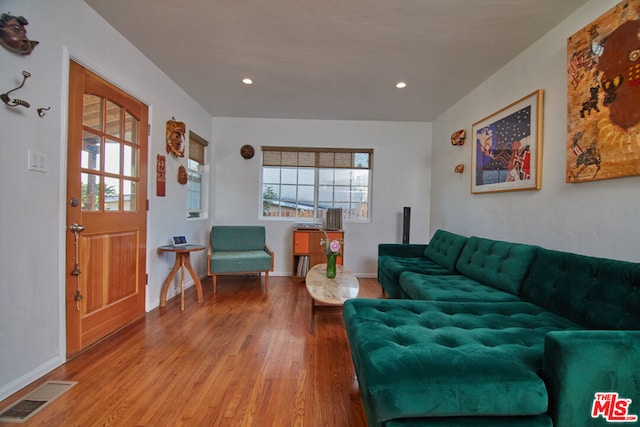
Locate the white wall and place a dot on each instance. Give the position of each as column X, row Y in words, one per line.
column 597, row 218
column 32, row 221
column 401, row 177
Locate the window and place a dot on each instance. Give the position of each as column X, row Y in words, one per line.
column 305, row 182
column 195, row 171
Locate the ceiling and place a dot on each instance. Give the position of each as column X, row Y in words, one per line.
column 331, row 59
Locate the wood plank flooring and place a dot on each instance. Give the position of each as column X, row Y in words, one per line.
column 245, row 357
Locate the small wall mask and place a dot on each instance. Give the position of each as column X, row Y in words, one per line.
column 13, row 35
column 458, row 137
column 175, row 138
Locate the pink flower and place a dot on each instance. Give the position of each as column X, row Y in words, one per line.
column 334, row 246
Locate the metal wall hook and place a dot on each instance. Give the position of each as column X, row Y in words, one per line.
column 41, row 111
column 15, row 102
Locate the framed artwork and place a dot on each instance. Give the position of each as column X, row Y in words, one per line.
column 507, row 145
column 603, row 96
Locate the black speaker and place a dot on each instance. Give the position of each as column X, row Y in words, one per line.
column 406, row 224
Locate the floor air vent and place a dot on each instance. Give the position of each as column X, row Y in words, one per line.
column 33, row 402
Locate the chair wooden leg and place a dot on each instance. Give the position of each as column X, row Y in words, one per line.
column 266, row 280
column 215, row 284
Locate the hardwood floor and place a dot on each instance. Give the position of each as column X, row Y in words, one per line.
column 242, row 358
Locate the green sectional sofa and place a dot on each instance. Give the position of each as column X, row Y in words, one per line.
column 491, row 333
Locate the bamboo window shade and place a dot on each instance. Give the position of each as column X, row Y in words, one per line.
column 197, row 144
column 335, row 158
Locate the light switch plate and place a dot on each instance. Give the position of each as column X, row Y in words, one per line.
column 37, row 161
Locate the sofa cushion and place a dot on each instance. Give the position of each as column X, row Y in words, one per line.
column 502, row 265
column 422, row 358
column 450, row 288
column 598, row 293
column 240, row 261
column 237, row 237
column 444, row 248
column 393, row 266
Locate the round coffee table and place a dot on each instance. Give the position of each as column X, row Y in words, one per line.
column 330, row 292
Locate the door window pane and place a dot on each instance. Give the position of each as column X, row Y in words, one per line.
column 111, row 194
column 130, row 161
column 131, row 128
column 90, row 157
column 129, row 195
column 114, row 119
column 90, row 192
column 92, row 111
column 112, row 157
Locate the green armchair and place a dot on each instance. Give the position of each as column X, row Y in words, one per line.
column 236, row 249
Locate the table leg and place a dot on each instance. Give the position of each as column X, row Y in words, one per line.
column 165, row 286
column 182, row 283
column 313, row 312
column 194, row 276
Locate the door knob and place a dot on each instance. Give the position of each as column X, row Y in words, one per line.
column 76, row 228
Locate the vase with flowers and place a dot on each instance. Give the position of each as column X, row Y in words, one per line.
column 333, row 249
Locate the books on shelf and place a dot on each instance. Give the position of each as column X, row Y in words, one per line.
column 303, row 265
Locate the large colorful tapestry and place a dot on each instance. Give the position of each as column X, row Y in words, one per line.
column 603, row 138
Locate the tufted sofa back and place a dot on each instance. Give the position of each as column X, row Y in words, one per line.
column 237, row 237
column 502, row 265
column 598, row 293
column 444, row 248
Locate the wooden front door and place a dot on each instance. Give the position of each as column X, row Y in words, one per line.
column 106, row 209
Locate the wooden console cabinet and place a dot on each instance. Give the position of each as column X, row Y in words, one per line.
column 307, row 251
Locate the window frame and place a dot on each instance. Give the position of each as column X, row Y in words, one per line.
column 318, row 160
column 197, row 152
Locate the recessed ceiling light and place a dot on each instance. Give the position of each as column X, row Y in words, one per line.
column 401, row 85
column 247, row 81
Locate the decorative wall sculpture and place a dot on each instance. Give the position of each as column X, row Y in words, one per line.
column 603, row 73
column 175, row 138
column 13, row 35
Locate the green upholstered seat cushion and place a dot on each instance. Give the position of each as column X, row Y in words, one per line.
column 450, row 288
column 502, row 265
column 237, row 237
column 422, row 358
column 240, row 261
column 391, row 267
column 598, row 293
column 444, row 248
column 534, row 421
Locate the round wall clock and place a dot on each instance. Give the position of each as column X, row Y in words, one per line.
column 247, row 152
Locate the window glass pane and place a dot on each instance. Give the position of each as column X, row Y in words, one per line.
column 130, row 161
column 305, row 195
column 271, row 175
column 361, row 160
column 114, row 119
column 325, row 193
column 342, row 176
column 112, row 157
column 270, row 197
column 289, row 176
column 92, row 111
column 193, row 191
column 111, row 194
column 342, row 194
column 130, row 195
column 288, row 192
column 306, row 176
column 90, row 157
column 325, row 177
column 90, row 192
column 131, row 126
column 193, row 165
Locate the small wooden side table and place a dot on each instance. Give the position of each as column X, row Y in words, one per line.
column 182, row 261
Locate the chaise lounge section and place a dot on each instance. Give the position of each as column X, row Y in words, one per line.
column 512, row 335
